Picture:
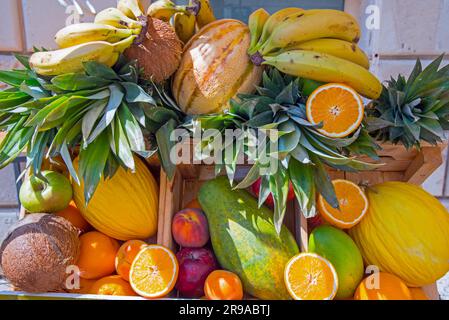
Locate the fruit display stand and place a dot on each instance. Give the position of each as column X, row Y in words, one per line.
column 411, row 166
column 7, row 292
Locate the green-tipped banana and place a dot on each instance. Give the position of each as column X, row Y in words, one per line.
column 273, row 21
column 184, row 24
column 310, row 25
column 256, row 23
column 326, row 68
column 68, row 60
column 133, row 9
column 164, row 10
column 114, row 17
column 76, row 34
column 335, row 47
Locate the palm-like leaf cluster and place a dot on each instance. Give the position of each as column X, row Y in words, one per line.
column 413, row 110
column 102, row 112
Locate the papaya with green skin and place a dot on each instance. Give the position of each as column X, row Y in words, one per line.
column 245, row 240
column 338, row 247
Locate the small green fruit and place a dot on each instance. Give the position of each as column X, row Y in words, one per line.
column 337, row 247
column 48, row 195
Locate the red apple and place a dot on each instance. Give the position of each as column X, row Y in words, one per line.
column 190, row 228
column 194, row 267
column 270, row 201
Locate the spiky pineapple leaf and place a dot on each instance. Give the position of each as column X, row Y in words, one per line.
column 413, row 110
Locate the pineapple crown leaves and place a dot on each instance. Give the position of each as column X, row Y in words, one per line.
column 303, row 152
column 102, row 110
column 413, row 110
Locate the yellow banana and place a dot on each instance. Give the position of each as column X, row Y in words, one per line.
column 132, row 9
column 114, row 17
column 52, row 63
column 273, row 21
column 256, row 23
column 205, row 15
column 75, row 34
column 184, row 24
column 164, row 10
column 335, row 47
column 310, row 25
column 326, row 68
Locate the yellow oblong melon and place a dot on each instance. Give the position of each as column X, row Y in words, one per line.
column 214, row 68
column 124, row 207
column 405, row 232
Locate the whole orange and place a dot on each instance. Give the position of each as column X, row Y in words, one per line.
column 223, row 285
column 382, row 286
column 84, row 286
column 97, row 255
column 418, row 294
column 72, row 214
column 125, row 257
column 112, row 286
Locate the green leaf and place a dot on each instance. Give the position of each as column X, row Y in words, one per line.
column 99, row 70
column 113, row 104
column 92, row 161
column 135, row 93
column 302, row 178
column 323, row 183
column 33, row 91
column 24, row 60
column 14, row 77
column 121, row 145
column 264, row 191
column 14, row 142
column 65, row 154
column 165, row 145
column 91, row 118
column 78, row 81
column 133, row 131
column 39, row 118
column 279, row 185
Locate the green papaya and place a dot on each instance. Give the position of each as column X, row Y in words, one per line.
column 245, row 240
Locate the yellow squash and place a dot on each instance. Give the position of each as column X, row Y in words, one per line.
column 405, row 232
column 124, row 207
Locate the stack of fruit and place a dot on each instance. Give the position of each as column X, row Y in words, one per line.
column 315, row 44
column 198, row 268
column 72, row 247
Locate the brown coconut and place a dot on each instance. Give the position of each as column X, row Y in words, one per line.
column 158, row 51
column 37, row 250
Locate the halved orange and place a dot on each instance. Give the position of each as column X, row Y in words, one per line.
column 353, row 205
column 154, row 272
column 309, row 276
column 339, row 107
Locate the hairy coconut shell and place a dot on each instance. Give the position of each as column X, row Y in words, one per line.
column 159, row 52
column 37, row 250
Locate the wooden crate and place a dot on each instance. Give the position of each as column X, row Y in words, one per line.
column 400, row 165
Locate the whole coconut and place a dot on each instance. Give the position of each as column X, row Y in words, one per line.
column 159, row 51
column 37, row 250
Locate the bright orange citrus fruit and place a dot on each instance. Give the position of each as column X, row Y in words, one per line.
column 382, row 286
column 112, row 286
column 126, row 255
column 339, row 107
column 353, row 205
column 154, row 272
column 309, row 276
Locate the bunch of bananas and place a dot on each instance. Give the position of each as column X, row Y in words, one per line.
column 113, row 31
column 317, row 44
column 185, row 19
